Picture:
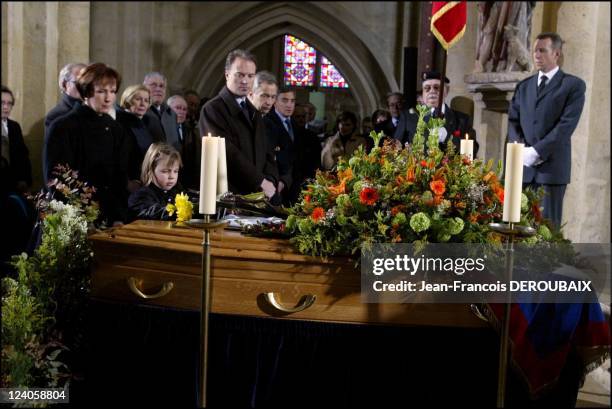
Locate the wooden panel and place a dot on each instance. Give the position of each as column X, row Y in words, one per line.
column 243, row 269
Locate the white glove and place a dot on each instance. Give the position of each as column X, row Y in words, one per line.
column 530, row 156
column 442, row 133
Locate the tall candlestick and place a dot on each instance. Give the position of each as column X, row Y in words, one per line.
column 513, row 182
column 208, row 174
column 222, row 169
column 467, row 147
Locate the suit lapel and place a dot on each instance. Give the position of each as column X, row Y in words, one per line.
column 235, row 109
column 449, row 123
column 554, row 83
column 532, row 92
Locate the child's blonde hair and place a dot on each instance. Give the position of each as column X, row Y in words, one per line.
column 157, row 153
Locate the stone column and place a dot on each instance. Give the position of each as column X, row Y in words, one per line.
column 38, row 40
column 585, row 28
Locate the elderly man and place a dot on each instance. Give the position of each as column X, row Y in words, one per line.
column 265, row 89
column 190, row 143
column 251, row 164
column 160, row 119
column 69, row 94
column 456, row 126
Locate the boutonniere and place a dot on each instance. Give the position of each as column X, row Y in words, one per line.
column 182, row 206
column 277, row 149
column 457, row 133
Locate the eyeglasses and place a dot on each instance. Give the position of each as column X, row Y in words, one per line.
column 8, row 103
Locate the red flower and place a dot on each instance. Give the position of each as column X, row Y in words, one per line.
column 423, row 164
column 456, row 133
column 499, row 192
column 537, row 214
column 368, row 196
column 317, row 214
column 438, row 187
column 307, row 198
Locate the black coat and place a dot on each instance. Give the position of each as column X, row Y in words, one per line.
column 457, row 124
column 65, row 105
column 249, row 158
column 19, row 168
column 283, row 147
column 96, row 146
column 138, row 141
column 149, row 203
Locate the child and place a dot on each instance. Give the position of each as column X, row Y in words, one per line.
column 160, row 170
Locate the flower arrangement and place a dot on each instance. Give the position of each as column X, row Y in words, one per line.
column 182, row 206
column 416, row 194
column 43, row 305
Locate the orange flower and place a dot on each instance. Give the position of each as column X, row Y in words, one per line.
column 460, row 205
column 431, row 164
column 438, row 187
column 490, row 177
column 423, row 164
column 317, row 214
column 399, row 180
column 499, row 192
column 396, row 209
column 338, row 189
column 410, row 174
column 345, row 175
column 307, row 198
column 473, row 217
column 368, row 196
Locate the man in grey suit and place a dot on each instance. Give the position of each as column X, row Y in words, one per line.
column 543, row 115
column 160, row 119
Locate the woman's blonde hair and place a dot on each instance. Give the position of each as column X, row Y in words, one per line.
column 129, row 93
column 158, row 153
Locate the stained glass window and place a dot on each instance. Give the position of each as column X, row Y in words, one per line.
column 330, row 76
column 300, row 61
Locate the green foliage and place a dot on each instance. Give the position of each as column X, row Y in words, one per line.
column 43, row 306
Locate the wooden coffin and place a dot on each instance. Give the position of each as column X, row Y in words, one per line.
column 153, row 254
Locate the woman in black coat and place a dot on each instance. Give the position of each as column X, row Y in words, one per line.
column 135, row 102
column 90, row 141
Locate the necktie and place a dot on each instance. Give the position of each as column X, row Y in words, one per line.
column 180, row 132
column 289, row 128
column 542, row 84
column 5, row 142
column 245, row 110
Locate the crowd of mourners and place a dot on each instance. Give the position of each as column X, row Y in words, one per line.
column 140, row 149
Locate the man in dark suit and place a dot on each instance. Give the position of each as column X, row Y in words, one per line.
column 69, row 94
column 280, row 131
column 250, row 163
column 456, row 124
column 544, row 113
column 160, row 119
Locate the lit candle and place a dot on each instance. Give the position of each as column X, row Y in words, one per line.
column 513, row 182
column 208, row 174
column 222, row 169
column 467, row 147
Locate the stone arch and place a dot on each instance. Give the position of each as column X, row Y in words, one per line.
column 201, row 65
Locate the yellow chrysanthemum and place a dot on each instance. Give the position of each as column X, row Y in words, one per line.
column 170, row 208
column 184, row 208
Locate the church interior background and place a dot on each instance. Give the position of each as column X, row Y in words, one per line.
column 364, row 41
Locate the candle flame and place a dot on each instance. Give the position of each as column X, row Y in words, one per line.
column 466, row 136
column 209, row 134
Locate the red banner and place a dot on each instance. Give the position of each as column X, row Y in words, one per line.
column 448, row 21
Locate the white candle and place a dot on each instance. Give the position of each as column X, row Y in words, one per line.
column 208, row 174
column 513, row 182
column 222, row 169
column 467, row 147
